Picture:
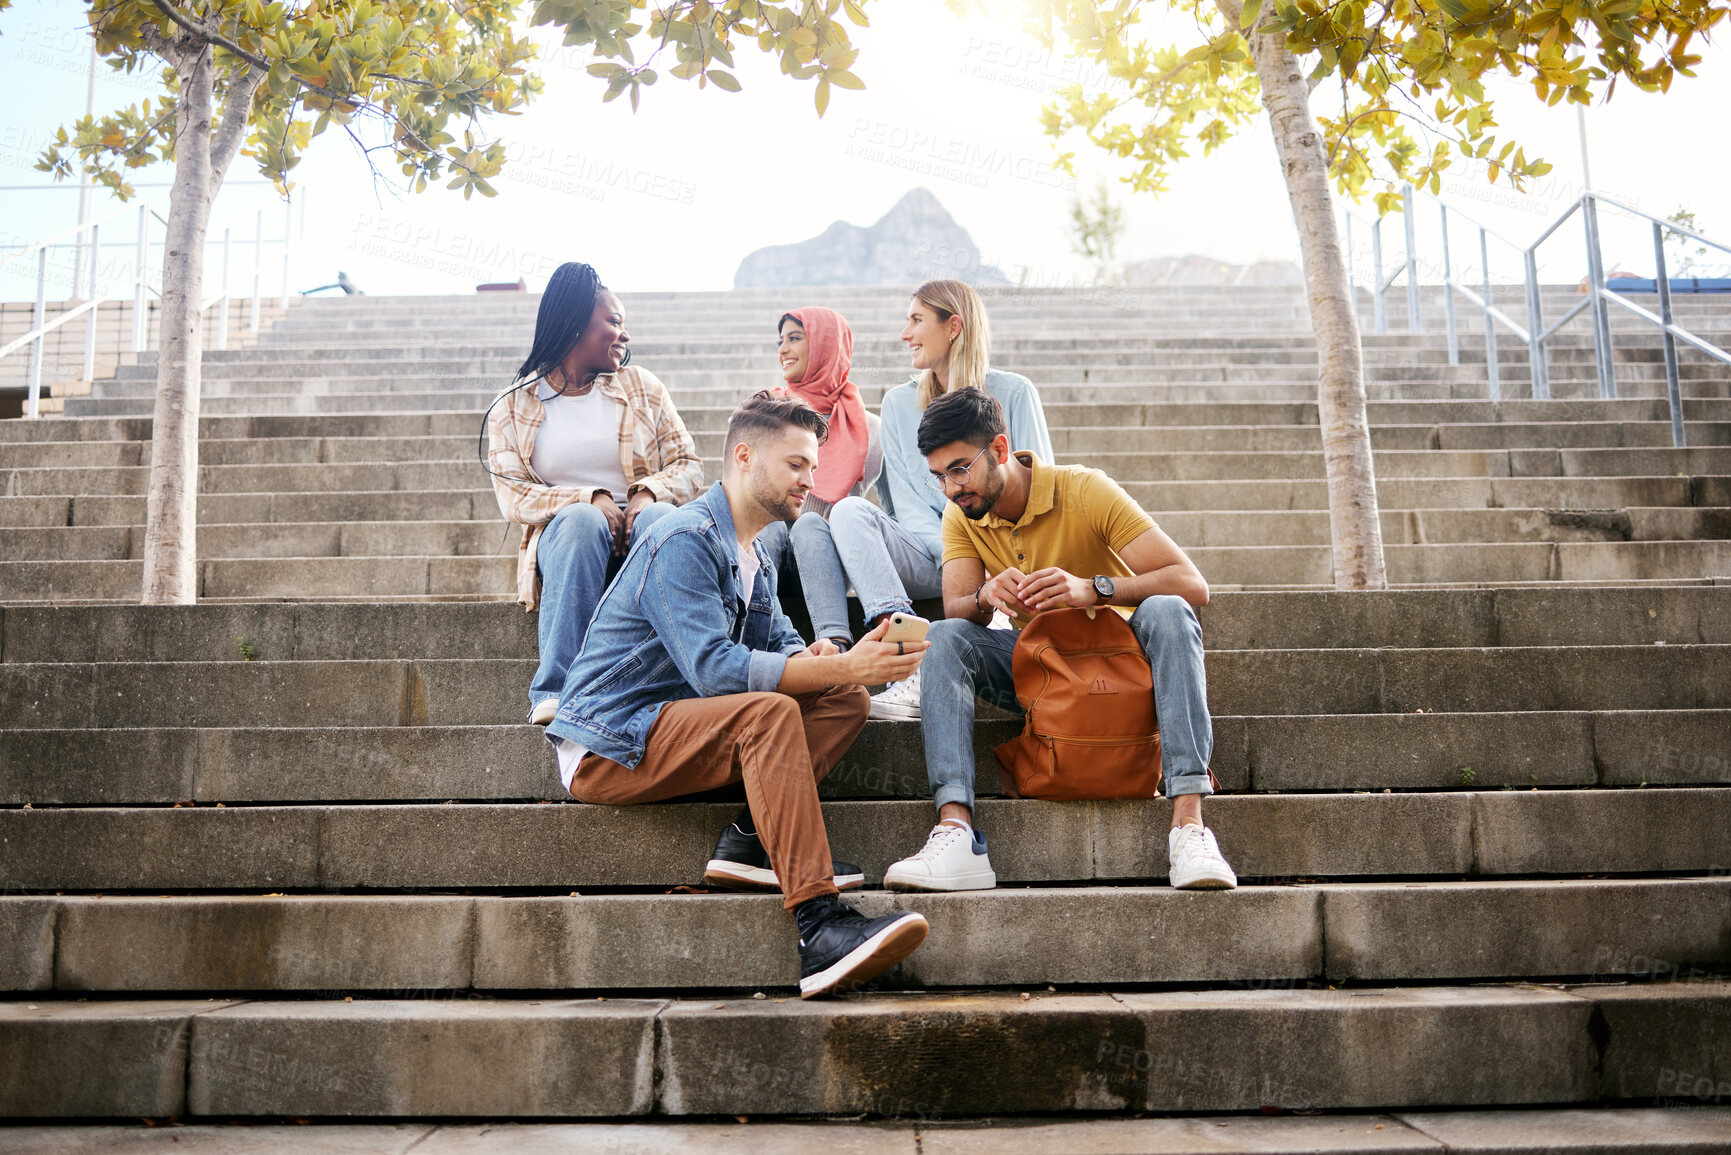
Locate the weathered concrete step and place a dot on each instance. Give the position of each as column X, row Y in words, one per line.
column 481, row 691
column 502, row 845
column 1679, row 1130
column 110, row 510
column 1126, row 468
column 1440, row 493
column 486, row 536
column 1607, row 462
column 493, row 573
column 1072, row 440
column 297, row 578
column 1058, row 414
column 1422, row 751
column 1410, row 527
column 938, row 1055
column 1603, row 561
column 393, row 539
column 1088, row 936
column 478, row 396
column 1562, row 616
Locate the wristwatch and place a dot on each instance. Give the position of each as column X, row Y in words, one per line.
column 1104, row 588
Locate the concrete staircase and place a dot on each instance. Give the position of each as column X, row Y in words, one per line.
column 291, row 853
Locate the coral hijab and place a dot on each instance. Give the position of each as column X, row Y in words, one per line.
column 826, row 387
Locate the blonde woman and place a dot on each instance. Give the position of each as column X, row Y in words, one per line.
column 893, row 555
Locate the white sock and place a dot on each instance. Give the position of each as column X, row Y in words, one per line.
column 962, row 822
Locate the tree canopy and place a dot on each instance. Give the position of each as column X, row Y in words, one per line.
column 1398, row 86
column 421, row 73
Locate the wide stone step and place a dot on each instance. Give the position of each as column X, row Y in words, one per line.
column 299, row 578
column 944, row 1055
column 1059, row 415
column 1072, row 442
column 254, row 509
column 493, row 574
column 1086, row 936
column 1126, row 468
column 559, row 847
column 1331, row 619
column 482, row 691
column 486, row 535
column 1282, row 753
column 1679, row 1130
column 476, row 395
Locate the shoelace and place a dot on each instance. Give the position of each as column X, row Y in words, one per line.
column 940, row 840
column 907, row 689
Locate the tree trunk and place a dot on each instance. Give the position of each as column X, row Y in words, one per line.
column 1354, row 525
column 171, row 511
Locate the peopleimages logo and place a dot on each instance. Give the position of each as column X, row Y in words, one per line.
column 931, row 152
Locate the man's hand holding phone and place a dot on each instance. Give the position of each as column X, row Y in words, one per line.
column 875, row 661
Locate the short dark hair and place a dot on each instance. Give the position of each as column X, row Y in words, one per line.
column 970, row 415
column 765, row 413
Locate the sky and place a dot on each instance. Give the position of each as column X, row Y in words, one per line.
column 675, row 195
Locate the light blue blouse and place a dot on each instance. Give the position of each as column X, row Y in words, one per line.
column 917, row 506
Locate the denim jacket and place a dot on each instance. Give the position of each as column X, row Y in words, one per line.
column 671, row 627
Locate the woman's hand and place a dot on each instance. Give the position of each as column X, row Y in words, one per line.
column 640, row 501
column 615, row 519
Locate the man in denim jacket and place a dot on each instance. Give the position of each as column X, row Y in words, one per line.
column 692, row 678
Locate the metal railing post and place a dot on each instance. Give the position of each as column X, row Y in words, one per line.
column 257, row 266
column 90, row 322
column 222, row 311
column 288, row 224
column 1596, row 303
column 1412, row 313
column 1493, row 370
column 1449, row 293
column 1673, row 387
column 140, row 327
column 1537, row 368
column 37, row 316
column 1379, row 306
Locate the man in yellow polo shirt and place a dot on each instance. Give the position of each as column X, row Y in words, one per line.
column 1022, row 535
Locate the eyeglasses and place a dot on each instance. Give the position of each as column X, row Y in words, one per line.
column 955, row 474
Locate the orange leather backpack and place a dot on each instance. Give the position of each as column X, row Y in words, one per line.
column 1089, row 695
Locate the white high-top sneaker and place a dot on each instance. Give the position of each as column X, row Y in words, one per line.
column 1196, row 860
column 899, row 700
column 951, row 859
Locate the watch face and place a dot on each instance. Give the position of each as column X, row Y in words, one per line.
column 1103, row 586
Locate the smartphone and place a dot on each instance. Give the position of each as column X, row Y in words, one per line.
column 906, row 628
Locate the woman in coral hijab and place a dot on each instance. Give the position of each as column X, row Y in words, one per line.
column 815, row 351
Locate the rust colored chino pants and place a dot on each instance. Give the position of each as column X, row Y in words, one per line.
column 780, row 746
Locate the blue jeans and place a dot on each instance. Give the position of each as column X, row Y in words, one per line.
column 968, row 660
column 862, row 546
column 575, row 560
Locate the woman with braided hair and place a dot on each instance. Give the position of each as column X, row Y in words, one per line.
column 586, row 452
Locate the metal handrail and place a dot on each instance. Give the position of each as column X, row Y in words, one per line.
column 139, row 286
column 1599, row 296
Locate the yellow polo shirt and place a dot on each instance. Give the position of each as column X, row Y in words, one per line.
column 1077, row 519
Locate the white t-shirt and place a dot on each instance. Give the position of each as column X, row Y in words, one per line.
column 578, row 444
column 569, row 752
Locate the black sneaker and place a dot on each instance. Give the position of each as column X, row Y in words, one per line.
column 841, row 949
column 739, row 863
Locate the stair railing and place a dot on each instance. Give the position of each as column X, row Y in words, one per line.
column 138, row 284
column 1597, row 297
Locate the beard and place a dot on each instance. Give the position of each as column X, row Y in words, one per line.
column 776, row 501
column 976, row 504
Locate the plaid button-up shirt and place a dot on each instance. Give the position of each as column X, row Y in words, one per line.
column 655, row 453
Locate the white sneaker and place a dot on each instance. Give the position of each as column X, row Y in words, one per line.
column 544, row 710
column 1196, row 861
column 951, row 859
column 899, row 700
